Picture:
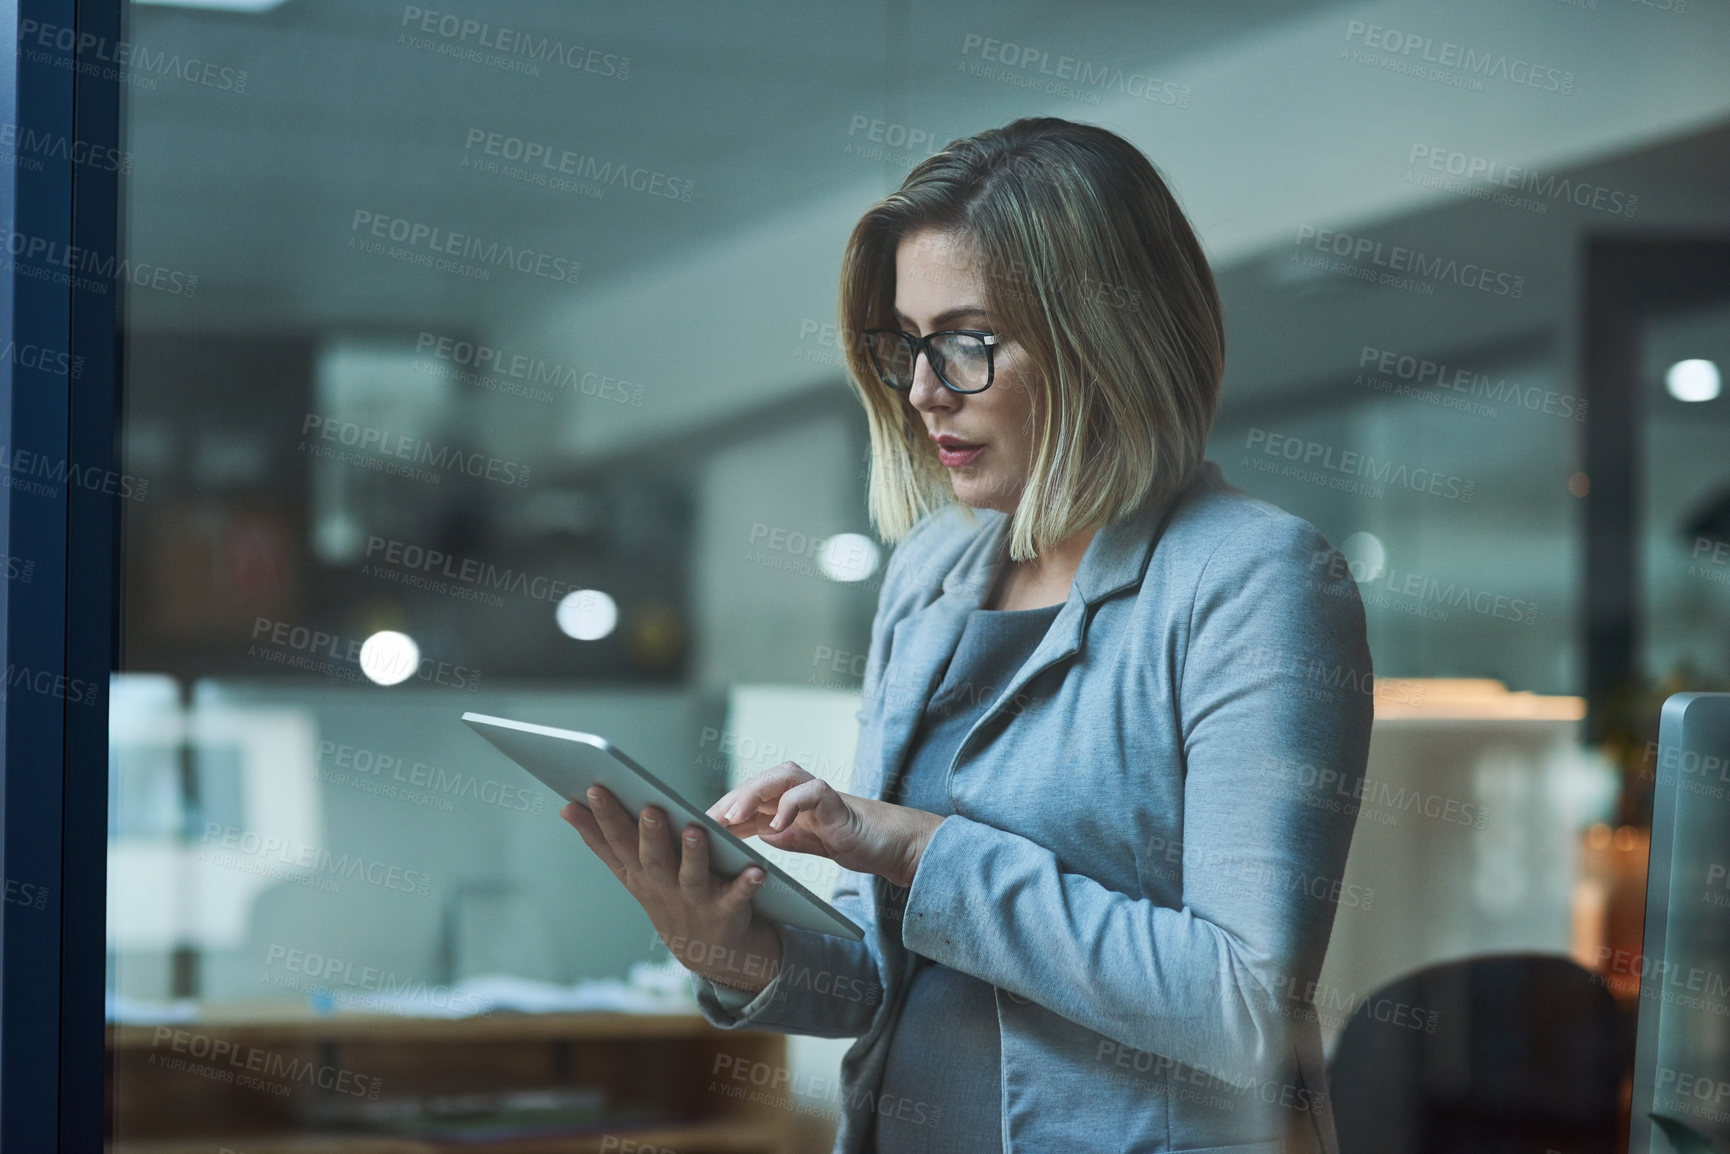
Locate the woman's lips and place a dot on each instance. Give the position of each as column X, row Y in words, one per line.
column 958, row 453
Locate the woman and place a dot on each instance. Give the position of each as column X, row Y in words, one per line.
column 1095, row 842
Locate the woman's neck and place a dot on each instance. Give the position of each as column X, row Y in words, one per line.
column 1041, row 580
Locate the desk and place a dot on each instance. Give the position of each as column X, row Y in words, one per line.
column 274, row 1085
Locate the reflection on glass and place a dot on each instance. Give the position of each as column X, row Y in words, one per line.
column 493, row 366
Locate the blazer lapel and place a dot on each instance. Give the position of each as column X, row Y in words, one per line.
column 923, row 641
column 1116, row 559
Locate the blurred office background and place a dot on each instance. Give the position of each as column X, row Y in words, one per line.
column 486, row 359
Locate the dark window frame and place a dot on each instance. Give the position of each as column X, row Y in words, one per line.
column 62, row 626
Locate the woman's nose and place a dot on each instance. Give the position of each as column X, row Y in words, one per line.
column 927, row 391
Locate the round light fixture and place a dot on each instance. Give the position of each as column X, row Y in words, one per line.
column 587, row 614
column 389, row 657
column 1366, row 556
column 848, row 557
column 1693, row 380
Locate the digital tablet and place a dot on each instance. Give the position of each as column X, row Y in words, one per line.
column 568, row 762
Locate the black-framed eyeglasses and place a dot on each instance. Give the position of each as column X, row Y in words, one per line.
column 961, row 358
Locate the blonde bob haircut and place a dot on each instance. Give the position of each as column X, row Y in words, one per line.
column 1089, row 263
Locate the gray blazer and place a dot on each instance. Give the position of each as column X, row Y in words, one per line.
column 1148, row 842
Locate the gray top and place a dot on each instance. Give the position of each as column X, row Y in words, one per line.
column 945, row 1046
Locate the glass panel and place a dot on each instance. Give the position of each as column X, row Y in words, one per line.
column 1685, row 554
column 488, row 361
column 1451, row 504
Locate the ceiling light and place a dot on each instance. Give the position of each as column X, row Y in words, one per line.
column 1693, row 380
column 848, row 557
column 389, row 658
column 587, row 614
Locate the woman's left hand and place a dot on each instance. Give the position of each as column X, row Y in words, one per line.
column 792, row 810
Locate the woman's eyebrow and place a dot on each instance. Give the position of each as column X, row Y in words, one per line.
column 948, row 317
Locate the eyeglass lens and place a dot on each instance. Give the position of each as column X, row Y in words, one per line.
column 962, row 361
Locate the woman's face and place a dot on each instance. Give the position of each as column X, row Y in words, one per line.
column 985, row 439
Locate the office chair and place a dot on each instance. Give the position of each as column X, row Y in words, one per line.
column 1507, row 1054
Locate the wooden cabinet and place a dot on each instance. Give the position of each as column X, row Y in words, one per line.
column 664, row 1083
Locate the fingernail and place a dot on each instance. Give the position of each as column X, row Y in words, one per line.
column 651, row 821
column 594, row 794
column 691, row 836
column 733, row 814
column 758, row 879
column 775, row 822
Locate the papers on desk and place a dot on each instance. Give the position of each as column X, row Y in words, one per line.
column 140, row 1012
column 651, row 989
column 507, row 993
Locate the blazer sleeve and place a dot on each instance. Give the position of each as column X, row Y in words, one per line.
column 827, row 987
column 1274, row 691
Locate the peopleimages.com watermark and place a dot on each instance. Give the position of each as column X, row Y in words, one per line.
column 1710, row 560
column 1697, row 1095
column 822, row 342
column 30, row 895
column 496, row 46
column 1319, row 679
column 745, row 749
column 120, row 60
column 847, row 557
column 1265, row 875
column 1687, row 987
column 566, row 170
column 761, row 969
column 1070, row 77
column 1373, row 800
column 49, row 683
column 1418, row 594
column 416, row 782
column 1201, row 1084
column 1517, row 186
column 623, row 1144
column 41, row 475
column 1698, row 772
column 28, row 149
column 360, row 987
column 87, row 269
column 1298, row 458
column 332, row 655
column 252, row 852
column 1454, row 387
column 1674, row 7
column 1717, row 890
column 417, row 567
column 498, row 370
column 253, row 1067
column 1447, row 62
column 871, row 138
column 46, row 360
column 387, row 452
column 1333, row 1006
column 763, row 1083
column 464, row 254
column 1396, row 266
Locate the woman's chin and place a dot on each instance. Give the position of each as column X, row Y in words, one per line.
column 975, row 491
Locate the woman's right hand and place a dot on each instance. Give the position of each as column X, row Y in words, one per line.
column 706, row 922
